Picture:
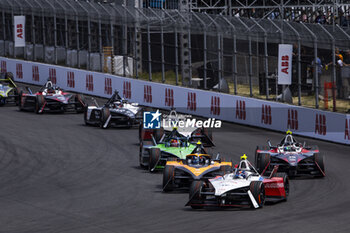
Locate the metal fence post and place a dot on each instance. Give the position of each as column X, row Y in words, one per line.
column 99, row 36
column 205, row 48
column 55, row 31
column 299, row 61
column 315, row 65
column 89, row 37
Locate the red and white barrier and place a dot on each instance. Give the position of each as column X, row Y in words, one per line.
column 314, row 123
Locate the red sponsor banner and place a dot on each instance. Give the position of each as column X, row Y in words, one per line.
column 3, row 67
column 192, row 101
column 347, row 129
column 19, row 71
column 108, row 86
column 89, row 82
column 147, row 94
column 321, row 124
column 215, row 105
column 285, row 64
column 35, row 74
column 292, row 122
column 52, row 75
column 241, row 112
column 169, row 97
column 266, row 116
column 70, row 79
column 127, row 89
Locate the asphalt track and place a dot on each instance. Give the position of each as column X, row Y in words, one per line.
column 58, row 175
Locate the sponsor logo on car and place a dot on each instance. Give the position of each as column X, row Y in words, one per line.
column 240, row 110
column 274, row 185
column 19, row 71
column 320, row 124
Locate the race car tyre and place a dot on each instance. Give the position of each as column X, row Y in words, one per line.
column 39, row 104
column 256, row 152
column 105, row 113
column 208, row 132
column 168, row 178
column 19, row 100
column 195, row 194
column 263, row 161
column 142, row 151
column 2, row 101
column 285, row 182
column 258, row 191
column 140, row 132
column 158, row 134
column 80, row 103
column 154, row 156
column 9, row 75
column 86, row 114
column 319, row 160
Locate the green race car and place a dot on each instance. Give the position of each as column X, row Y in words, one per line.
column 8, row 89
column 162, row 147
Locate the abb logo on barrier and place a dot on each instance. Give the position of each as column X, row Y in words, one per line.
column 147, row 93
column 52, row 75
column 292, row 119
column 89, row 82
column 347, row 129
column 108, row 86
column 19, row 71
column 266, row 117
column 215, row 105
column 169, row 97
column 320, row 124
column 3, row 67
column 127, row 89
column 192, row 101
column 70, row 79
column 240, row 110
column 35, row 73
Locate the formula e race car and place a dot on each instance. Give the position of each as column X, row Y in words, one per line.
column 198, row 165
column 155, row 153
column 171, row 121
column 292, row 157
column 50, row 99
column 8, row 89
column 245, row 187
column 116, row 111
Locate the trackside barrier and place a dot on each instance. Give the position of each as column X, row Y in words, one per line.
column 314, row 123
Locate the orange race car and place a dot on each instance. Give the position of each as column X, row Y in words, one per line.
column 198, row 165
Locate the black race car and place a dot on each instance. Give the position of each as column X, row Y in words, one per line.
column 116, row 111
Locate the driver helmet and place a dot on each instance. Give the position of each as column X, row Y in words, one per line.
column 240, row 174
column 174, row 143
column 195, row 160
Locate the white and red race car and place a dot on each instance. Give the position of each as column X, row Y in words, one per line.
column 245, row 187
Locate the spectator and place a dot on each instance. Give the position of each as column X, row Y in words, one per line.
column 339, row 64
column 319, row 68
